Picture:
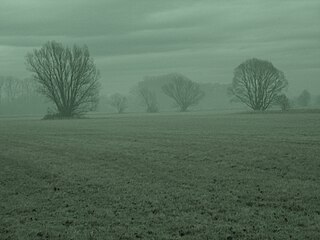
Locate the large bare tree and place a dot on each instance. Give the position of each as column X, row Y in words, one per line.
column 183, row 91
column 257, row 83
column 67, row 76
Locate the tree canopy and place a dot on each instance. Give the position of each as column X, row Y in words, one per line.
column 67, row 76
column 257, row 83
column 183, row 91
column 119, row 101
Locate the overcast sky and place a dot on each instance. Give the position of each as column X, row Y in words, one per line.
column 203, row 39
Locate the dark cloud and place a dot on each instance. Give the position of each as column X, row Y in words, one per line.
column 204, row 39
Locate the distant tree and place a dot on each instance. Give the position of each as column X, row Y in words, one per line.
column 304, row 98
column 67, row 76
column 317, row 100
column 183, row 91
column 148, row 97
column 29, row 89
column 257, row 83
column 283, row 101
column 119, row 102
column 12, row 88
column 1, row 88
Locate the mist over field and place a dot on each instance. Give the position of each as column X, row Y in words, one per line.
column 146, row 119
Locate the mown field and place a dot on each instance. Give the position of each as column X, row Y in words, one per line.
column 162, row 176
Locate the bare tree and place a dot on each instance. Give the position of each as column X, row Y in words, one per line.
column 67, row 76
column 1, row 88
column 304, row 98
column 283, row 101
column 257, row 83
column 148, row 97
column 183, row 91
column 317, row 100
column 12, row 88
column 29, row 89
column 119, row 102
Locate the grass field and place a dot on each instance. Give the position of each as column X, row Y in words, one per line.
column 162, row 176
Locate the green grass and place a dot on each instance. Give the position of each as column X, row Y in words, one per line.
column 161, row 176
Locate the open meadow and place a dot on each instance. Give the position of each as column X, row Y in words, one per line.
column 161, row 176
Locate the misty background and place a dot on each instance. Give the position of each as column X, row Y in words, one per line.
column 132, row 40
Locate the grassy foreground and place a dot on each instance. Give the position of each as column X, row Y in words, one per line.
column 166, row 176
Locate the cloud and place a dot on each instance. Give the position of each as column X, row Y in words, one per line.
column 129, row 39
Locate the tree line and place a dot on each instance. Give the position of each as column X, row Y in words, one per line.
column 68, row 78
column 13, row 89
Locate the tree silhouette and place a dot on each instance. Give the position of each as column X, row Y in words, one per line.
column 67, row 76
column 304, row 98
column 119, row 102
column 257, row 83
column 283, row 101
column 183, row 91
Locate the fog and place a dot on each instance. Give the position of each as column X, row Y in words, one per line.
column 204, row 40
column 159, row 119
